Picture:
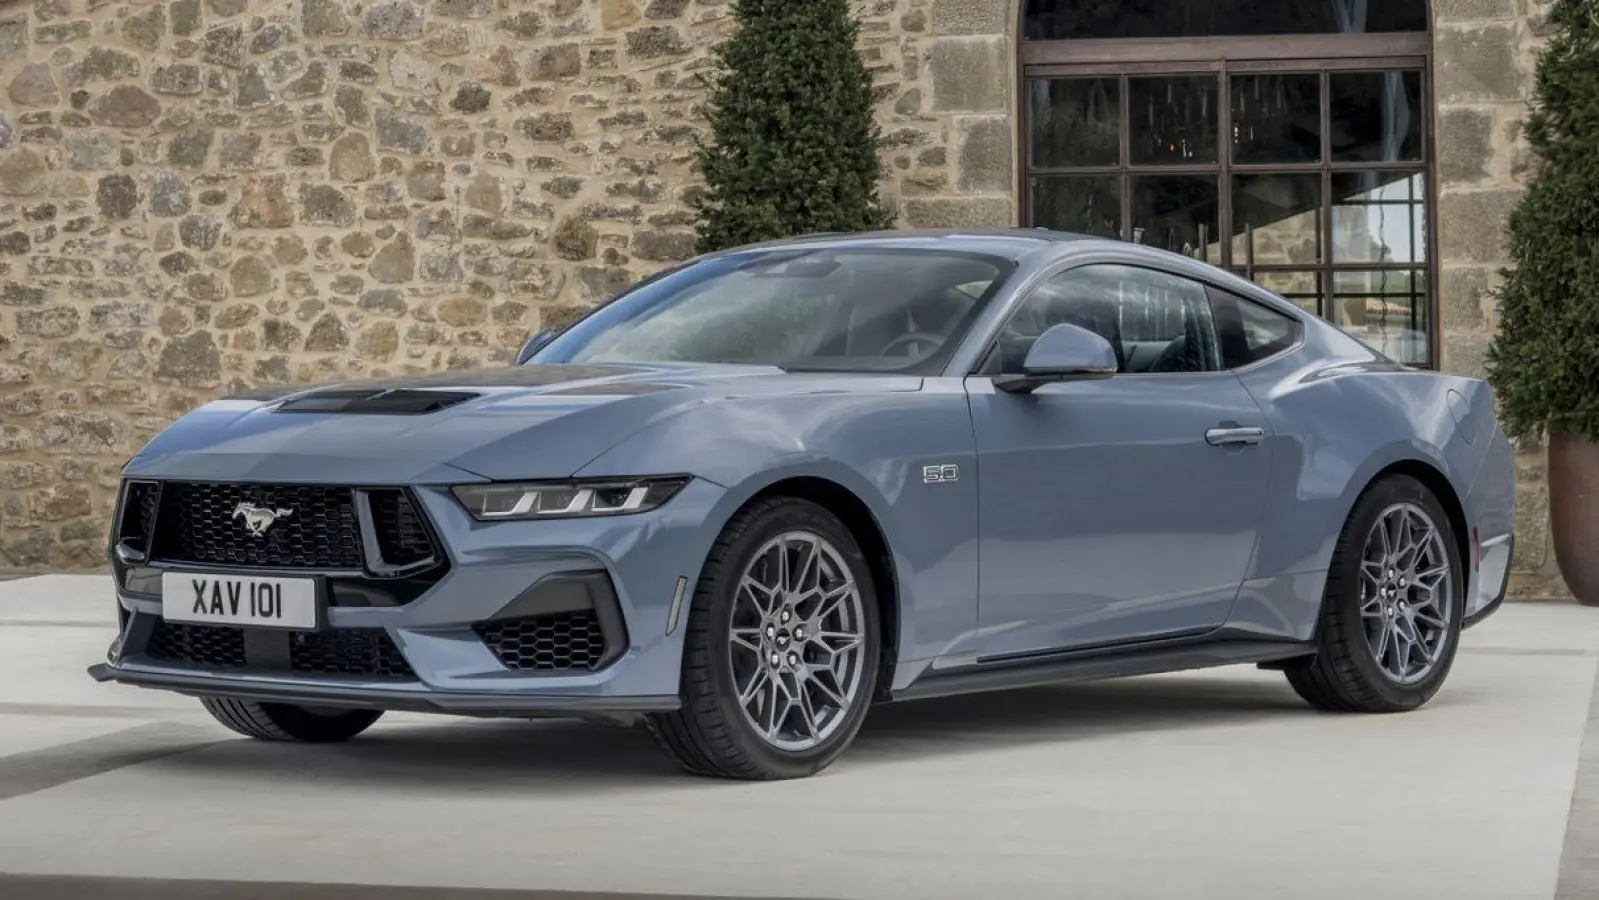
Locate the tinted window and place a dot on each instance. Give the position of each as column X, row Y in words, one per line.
column 1250, row 332
column 1061, row 20
column 848, row 309
column 1156, row 323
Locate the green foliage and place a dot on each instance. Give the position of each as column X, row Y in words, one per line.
column 794, row 144
column 1544, row 362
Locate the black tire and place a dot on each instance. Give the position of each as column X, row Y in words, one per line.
column 285, row 722
column 710, row 734
column 1345, row 676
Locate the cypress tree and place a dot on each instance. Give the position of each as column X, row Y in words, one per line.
column 1544, row 361
column 793, row 141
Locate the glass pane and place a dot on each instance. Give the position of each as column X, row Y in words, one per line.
column 1387, row 310
column 1085, row 204
column 1075, row 121
column 1379, row 217
column 1302, row 288
column 1283, row 212
column 1059, row 20
column 1276, row 118
column 1173, row 120
column 1376, row 116
column 1179, row 213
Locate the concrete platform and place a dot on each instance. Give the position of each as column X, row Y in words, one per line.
column 1213, row 785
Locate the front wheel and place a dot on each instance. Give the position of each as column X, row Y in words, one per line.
column 1395, row 599
column 781, row 653
column 286, row 722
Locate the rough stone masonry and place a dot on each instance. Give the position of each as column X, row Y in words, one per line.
column 202, row 195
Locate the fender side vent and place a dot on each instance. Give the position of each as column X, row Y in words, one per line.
column 383, row 402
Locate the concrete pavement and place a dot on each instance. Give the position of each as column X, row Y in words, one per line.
column 1211, row 785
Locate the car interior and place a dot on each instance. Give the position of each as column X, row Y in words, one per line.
column 903, row 314
column 1151, row 329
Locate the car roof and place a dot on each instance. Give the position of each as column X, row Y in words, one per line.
column 1020, row 244
column 1007, row 243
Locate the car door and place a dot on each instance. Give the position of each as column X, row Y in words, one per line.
column 1122, row 509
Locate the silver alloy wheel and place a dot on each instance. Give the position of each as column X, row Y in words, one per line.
column 798, row 641
column 1406, row 586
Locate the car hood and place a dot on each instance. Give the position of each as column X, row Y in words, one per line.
column 539, row 421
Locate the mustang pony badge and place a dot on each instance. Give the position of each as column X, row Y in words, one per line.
column 257, row 519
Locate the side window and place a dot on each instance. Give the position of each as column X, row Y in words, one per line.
column 1249, row 331
column 1156, row 323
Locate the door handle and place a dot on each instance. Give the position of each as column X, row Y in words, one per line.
column 1234, row 437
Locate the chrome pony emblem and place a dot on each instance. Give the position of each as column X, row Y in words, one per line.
column 258, row 519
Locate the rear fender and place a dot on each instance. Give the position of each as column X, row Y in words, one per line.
column 1337, row 428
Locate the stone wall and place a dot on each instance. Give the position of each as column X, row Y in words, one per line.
column 1486, row 54
column 203, row 195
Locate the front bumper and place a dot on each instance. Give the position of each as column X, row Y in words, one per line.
column 443, row 659
column 499, row 704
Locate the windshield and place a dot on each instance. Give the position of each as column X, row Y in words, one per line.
column 812, row 309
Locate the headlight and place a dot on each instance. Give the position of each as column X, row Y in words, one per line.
column 566, row 500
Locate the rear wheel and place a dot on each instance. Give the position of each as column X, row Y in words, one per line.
column 286, row 722
column 781, row 653
column 1391, row 617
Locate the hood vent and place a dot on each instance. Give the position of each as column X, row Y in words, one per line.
column 400, row 402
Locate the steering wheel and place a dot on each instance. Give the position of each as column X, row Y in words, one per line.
column 932, row 341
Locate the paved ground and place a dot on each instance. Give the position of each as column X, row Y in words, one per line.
column 1216, row 785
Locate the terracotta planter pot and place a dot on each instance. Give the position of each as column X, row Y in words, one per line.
column 1574, row 512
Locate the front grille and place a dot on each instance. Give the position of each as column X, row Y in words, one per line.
column 202, row 523
column 559, row 642
column 362, row 652
column 348, row 651
column 200, row 645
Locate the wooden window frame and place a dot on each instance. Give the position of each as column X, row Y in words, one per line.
column 1224, row 57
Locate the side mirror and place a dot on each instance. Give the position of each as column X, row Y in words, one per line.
column 1063, row 353
column 534, row 344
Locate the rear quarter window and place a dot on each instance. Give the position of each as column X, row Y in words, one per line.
column 1250, row 332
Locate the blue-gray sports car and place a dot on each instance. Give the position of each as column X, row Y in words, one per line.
column 764, row 490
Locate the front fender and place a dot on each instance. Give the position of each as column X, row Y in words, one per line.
column 874, row 445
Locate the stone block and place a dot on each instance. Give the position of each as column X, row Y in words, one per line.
column 1465, row 145
column 1463, row 293
column 984, row 161
column 1465, row 353
column 1532, row 528
column 960, row 212
column 957, row 17
column 970, row 74
column 1472, row 225
column 1447, row 11
column 192, row 361
column 1479, row 63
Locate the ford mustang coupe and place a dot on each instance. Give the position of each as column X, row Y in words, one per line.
column 762, row 491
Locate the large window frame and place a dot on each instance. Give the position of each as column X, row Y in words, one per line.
column 1223, row 58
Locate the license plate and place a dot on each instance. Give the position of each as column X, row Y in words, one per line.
column 239, row 600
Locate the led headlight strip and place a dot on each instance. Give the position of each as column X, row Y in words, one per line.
column 566, row 500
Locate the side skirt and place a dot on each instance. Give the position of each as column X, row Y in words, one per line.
column 1153, row 658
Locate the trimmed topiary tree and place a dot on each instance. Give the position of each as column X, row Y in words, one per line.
column 793, row 143
column 1544, row 361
